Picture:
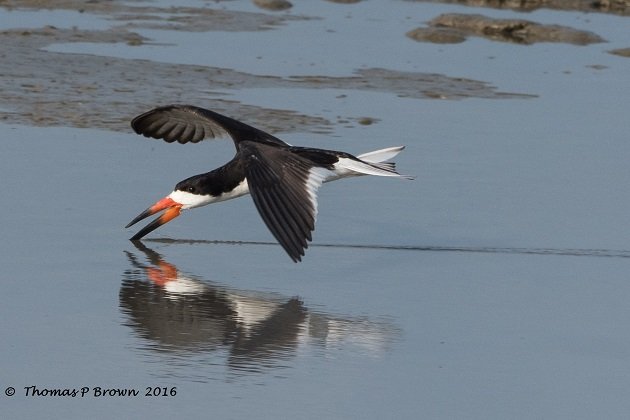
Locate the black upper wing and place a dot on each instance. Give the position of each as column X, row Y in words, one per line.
column 187, row 123
column 284, row 188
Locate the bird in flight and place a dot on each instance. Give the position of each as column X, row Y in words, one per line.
column 282, row 179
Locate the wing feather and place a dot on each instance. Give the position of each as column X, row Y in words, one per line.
column 284, row 188
column 191, row 124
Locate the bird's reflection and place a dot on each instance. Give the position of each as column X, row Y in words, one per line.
column 177, row 313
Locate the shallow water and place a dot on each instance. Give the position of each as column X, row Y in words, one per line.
column 492, row 286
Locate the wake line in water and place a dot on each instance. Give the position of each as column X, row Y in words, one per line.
column 609, row 253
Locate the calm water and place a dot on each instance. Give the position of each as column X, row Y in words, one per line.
column 495, row 285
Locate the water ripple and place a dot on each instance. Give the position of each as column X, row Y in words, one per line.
column 573, row 252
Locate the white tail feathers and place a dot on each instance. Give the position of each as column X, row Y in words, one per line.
column 371, row 163
column 382, row 155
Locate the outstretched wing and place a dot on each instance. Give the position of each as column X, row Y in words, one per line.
column 284, row 188
column 187, row 123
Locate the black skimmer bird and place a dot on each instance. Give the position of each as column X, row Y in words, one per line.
column 282, row 179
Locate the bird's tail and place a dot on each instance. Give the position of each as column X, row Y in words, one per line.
column 376, row 164
column 371, row 163
column 381, row 155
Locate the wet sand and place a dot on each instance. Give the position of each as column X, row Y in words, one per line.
column 48, row 88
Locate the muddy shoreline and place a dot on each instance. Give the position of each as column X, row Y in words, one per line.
column 47, row 88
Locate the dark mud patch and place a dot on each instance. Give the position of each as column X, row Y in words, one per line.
column 275, row 5
column 455, row 27
column 141, row 14
column 438, row 35
column 50, row 88
column 407, row 85
column 617, row 7
column 622, row 52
